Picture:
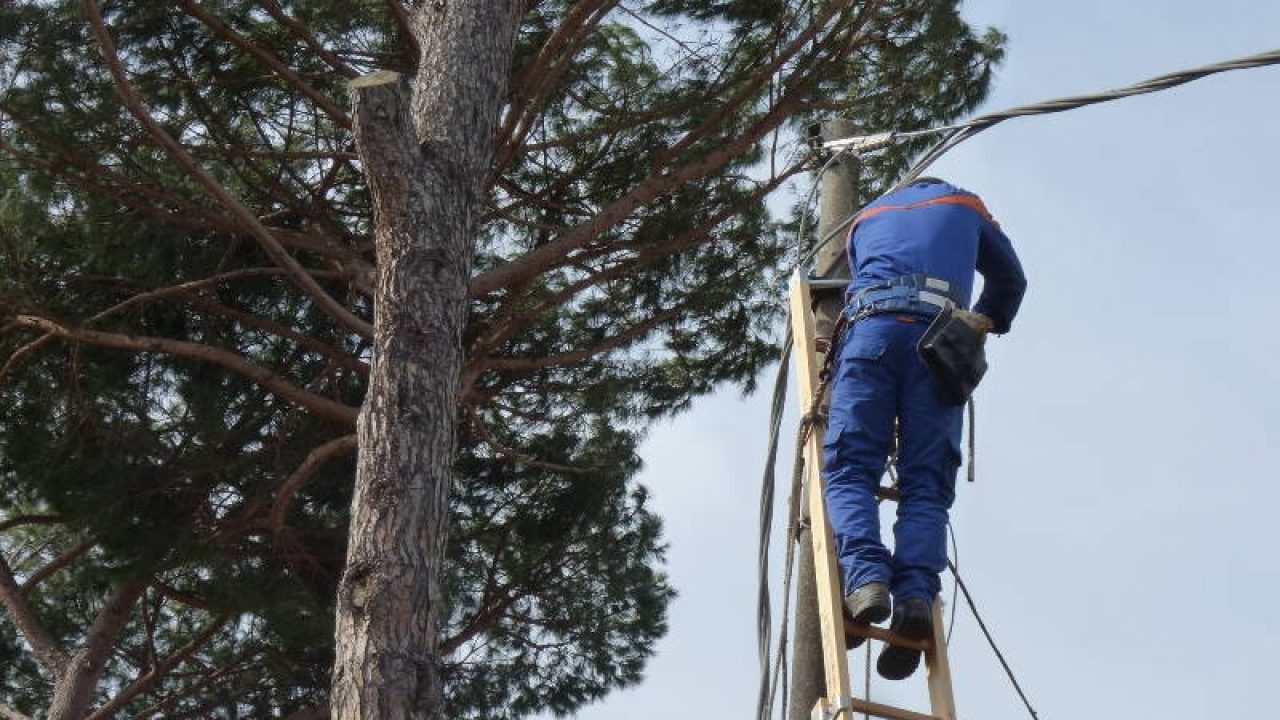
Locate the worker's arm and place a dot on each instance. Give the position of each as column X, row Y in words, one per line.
column 1003, row 282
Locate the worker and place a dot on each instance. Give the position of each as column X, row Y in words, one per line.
column 912, row 254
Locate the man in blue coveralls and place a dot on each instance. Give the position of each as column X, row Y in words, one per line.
column 912, row 252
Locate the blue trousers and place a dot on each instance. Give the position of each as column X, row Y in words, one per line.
column 880, row 377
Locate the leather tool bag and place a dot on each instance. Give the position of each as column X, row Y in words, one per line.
column 955, row 355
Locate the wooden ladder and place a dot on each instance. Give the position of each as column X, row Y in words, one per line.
column 839, row 703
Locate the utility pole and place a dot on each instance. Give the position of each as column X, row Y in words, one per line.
column 838, row 201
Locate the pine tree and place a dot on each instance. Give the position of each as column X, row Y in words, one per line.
column 185, row 327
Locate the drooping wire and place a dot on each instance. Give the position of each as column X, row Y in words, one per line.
column 973, row 607
column 763, row 611
column 955, row 585
column 959, row 132
column 807, row 424
column 966, row 130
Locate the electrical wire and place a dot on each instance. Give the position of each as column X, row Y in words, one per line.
column 959, row 132
column 763, row 610
column 808, row 198
column 966, row 130
column 973, row 607
column 955, row 585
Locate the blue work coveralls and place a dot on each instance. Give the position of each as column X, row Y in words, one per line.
column 945, row 233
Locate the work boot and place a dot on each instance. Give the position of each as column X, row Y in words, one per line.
column 867, row 605
column 912, row 618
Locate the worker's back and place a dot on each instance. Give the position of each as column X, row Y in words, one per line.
column 936, row 229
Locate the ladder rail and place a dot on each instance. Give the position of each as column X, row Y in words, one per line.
column 833, row 624
column 829, row 589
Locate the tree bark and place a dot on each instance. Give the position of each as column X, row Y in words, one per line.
column 426, row 159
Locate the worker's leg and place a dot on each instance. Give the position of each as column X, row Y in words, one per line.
column 927, row 461
column 859, row 431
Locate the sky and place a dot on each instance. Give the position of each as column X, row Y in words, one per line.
column 1121, row 538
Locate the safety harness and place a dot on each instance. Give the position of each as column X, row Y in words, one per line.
column 953, row 351
column 917, row 293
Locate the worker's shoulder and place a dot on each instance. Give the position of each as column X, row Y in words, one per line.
column 922, row 191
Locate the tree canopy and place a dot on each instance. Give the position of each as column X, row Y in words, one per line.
column 185, row 269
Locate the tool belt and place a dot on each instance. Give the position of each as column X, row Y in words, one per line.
column 953, row 351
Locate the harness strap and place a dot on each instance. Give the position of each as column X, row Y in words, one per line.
column 904, row 293
column 973, row 202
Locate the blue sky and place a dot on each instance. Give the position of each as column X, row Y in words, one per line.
column 1121, row 537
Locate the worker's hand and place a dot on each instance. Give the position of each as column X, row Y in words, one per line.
column 977, row 321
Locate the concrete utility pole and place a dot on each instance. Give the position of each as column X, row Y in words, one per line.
column 838, row 200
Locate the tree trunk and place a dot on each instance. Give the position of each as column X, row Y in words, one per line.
column 426, row 159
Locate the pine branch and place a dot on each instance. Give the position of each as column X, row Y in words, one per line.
column 316, row 459
column 544, row 71
column 27, row 620
column 243, row 215
column 507, row 328
column 631, row 334
column 271, row 62
column 9, row 713
column 97, row 178
column 662, row 179
column 760, row 79
column 516, row 456
column 300, row 31
column 658, row 183
column 401, row 19
column 174, row 290
column 335, row 355
column 54, row 566
column 19, row 520
column 322, row 406
column 157, row 673
column 74, row 689
column 179, row 596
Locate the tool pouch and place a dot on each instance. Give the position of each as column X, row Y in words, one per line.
column 955, row 354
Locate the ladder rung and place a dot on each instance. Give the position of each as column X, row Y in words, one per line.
column 887, row 711
column 871, row 631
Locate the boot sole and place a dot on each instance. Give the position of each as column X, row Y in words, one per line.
column 872, row 614
column 898, row 663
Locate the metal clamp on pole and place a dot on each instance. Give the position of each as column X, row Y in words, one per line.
column 859, row 144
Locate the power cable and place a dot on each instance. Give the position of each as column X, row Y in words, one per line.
column 973, row 607
column 955, row 585
column 763, row 610
column 959, row 132
column 966, row 130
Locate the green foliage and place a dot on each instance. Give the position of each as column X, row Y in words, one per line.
column 169, row 466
